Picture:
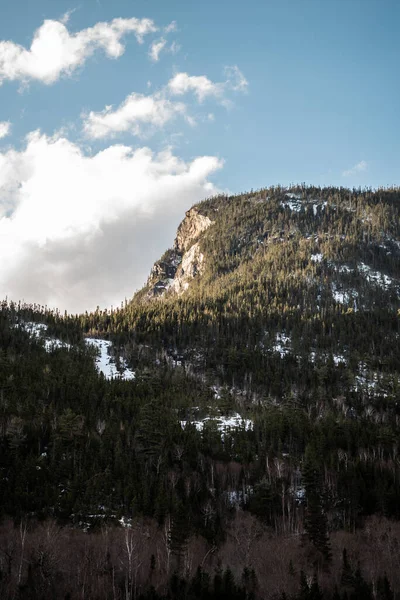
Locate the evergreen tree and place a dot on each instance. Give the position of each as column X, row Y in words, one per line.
column 315, row 523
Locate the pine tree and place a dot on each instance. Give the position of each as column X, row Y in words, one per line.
column 315, row 592
column 347, row 577
column 315, row 523
column 383, row 589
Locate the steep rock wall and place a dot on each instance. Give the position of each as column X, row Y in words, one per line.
column 179, row 265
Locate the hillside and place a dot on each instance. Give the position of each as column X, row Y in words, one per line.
column 239, row 414
column 274, row 284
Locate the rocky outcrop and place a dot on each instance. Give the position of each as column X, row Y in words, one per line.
column 192, row 265
column 189, row 230
column 179, row 265
column 163, row 273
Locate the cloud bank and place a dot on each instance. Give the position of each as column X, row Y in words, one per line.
column 55, row 51
column 77, row 230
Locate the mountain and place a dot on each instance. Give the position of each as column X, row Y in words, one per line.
column 232, row 430
column 269, row 285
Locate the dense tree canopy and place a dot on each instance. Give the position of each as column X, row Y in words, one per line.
column 293, row 324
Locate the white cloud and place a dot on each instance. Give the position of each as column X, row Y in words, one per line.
column 79, row 230
column 139, row 110
column 358, row 168
column 136, row 110
column 66, row 16
column 156, row 48
column 203, row 87
column 5, row 129
column 235, row 79
column 171, row 27
column 182, row 83
column 174, row 48
column 55, row 51
column 159, row 46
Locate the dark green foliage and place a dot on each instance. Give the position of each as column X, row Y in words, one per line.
column 322, row 453
column 315, row 524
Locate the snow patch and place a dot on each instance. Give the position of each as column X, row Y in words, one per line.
column 105, row 363
column 224, row 424
column 376, row 277
column 38, row 331
column 293, row 202
column 282, row 344
column 344, row 296
column 344, row 269
column 317, row 257
column 338, row 359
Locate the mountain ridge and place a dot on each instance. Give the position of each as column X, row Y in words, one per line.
column 299, row 203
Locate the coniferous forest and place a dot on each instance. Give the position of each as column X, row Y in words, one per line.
column 254, row 453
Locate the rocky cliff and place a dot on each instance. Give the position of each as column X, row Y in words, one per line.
column 179, row 265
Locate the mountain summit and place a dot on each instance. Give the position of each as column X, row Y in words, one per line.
column 282, row 277
column 321, row 236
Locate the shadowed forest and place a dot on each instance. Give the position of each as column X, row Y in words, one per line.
column 255, row 452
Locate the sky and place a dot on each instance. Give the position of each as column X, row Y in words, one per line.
column 116, row 117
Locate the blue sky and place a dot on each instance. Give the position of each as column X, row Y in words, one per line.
column 271, row 92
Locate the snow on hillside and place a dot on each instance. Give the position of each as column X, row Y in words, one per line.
column 317, row 257
column 282, row 344
column 375, row 276
column 38, row 331
column 224, row 424
column 104, row 362
column 338, row 359
column 344, row 296
column 296, row 202
column 293, row 202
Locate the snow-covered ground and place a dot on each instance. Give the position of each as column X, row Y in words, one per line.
column 296, row 202
column 375, row 276
column 224, row 424
column 317, row 257
column 344, row 269
column 315, row 206
column 34, row 329
column 340, row 297
column 344, row 296
column 368, row 381
column 338, row 359
column 39, row 331
column 105, row 363
column 282, row 344
column 239, row 497
column 293, row 202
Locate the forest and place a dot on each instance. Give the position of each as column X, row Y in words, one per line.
column 254, row 454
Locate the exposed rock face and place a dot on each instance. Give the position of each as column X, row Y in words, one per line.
column 189, row 230
column 192, row 264
column 174, row 271
column 163, row 272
